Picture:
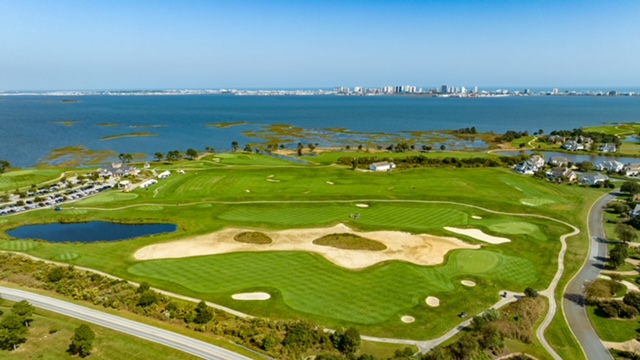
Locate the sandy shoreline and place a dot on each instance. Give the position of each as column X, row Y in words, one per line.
column 420, row 249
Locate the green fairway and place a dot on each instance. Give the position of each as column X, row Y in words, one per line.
column 106, row 197
column 251, row 159
column 20, row 178
column 19, row 245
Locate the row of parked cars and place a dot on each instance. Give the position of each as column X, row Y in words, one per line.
column 55, row 198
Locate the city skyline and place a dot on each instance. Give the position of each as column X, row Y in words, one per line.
column 73, row 45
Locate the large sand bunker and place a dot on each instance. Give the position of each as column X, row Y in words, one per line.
column 478, row 235
column 432, row 301
column 407, row 319
column 419, row 249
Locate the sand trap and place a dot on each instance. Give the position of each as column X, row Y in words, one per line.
column 474, row 217
column 362, row 205
column 468, row 283
column 329, row 182
column 420, row 249
column 251, row 296
column 478, row 235
column 273, row 180
column 432, row 301
column 247, row 190
column 270, row 176
column 407, row 319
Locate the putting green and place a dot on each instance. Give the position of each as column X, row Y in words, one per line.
column 515, row 227
column 107, row 197
column 472, row 262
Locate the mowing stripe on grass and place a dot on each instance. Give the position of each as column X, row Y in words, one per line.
column 19, row 245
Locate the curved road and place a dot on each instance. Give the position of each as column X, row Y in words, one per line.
column 573, row 301
column 183, row 343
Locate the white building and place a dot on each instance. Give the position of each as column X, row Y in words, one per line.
column 631, row 169
column 592, row 179
column 148, row 183
column 164, row 174
column 609, row 165
column 382, row 166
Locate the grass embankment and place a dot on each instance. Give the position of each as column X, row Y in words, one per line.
column 206, row 198
column 253, row 237
column 350, row 242
column 50, row 334
column 616, row 330
column 18, row 179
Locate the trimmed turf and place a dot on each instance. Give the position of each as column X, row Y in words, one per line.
column 617, row 330
column 106, row 197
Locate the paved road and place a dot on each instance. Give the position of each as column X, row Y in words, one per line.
column 573, row 302
column 183, row 343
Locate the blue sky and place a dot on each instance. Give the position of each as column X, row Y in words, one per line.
column 85, row 45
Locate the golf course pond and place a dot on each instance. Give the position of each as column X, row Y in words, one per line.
column 88, row 232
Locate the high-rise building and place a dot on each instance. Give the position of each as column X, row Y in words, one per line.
column 444, row 89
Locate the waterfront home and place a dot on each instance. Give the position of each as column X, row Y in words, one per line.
column 631, row 169
column 592, row 179
column 608, row 148
column 555, row 139
column 572, row 145
column 382, row 166
column 561, row 173
column 635, row 212
column 118, row 170
column 609, row 165
column 531, row 166
column 558, row 161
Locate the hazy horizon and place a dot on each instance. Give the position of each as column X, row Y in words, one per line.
column 121, row 45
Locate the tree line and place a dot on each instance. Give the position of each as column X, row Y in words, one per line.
column 425, row 161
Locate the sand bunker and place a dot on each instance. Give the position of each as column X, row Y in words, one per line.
column 362, row 205
column 247, row 190
column 329, row 182
column 407, row 319
column 468, row 283
column 432, row 301
column 475, row 217
column 251, row 296
column 273, row 180
column 419, row 249
column 478, row 235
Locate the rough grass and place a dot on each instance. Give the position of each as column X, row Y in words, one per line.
column 253, row 237
column 350, row 242
column 50, row 334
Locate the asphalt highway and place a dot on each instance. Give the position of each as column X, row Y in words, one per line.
column 573, row 301
column 183, row 343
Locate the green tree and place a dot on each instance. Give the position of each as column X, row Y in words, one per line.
column 234, row 146
column 584, row 166
column 158, row 156
column 147, row 298
column 204, row 313
column 531, row 292
column 442, row 147
column 630, row 187
column 144, row 286
column 348, row 341
column 24, row 310
column 55, row 274
column 12, row 332
column 125, row 158
column 632, row 298
column 618, row 254
column 4, row 165
column 626, row 232
column 492, row 339
column 247, row 148
column 618, row 207
column 82, row 341
column 192, row 153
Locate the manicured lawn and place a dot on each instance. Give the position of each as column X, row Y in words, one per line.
column 617, row 330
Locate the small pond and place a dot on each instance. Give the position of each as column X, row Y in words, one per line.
column 88, row 232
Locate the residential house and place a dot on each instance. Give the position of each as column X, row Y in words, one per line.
column 572, row 145
column 631, row 169
column 555, row 139
column 531, row 166
column 608, row 148
column 635, row 212
column 382, row 166
column 561, row 173
column 609, row 165
column 592, row 179
column 558, row 161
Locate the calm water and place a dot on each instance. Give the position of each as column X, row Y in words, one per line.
column 88, row 232
column 28, row 129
